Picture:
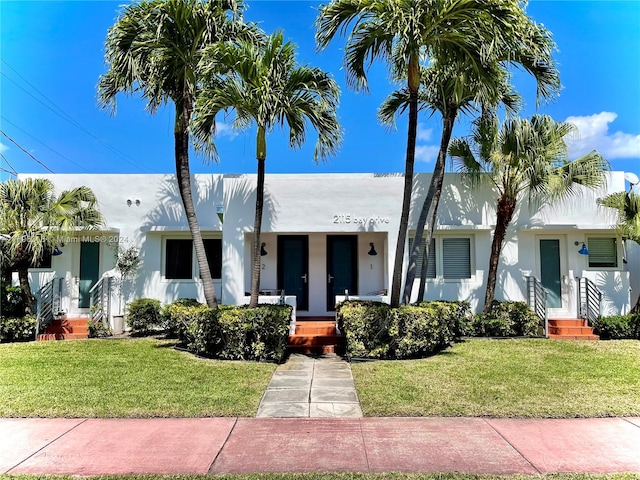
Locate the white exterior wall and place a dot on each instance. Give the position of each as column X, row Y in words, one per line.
column 366, row 205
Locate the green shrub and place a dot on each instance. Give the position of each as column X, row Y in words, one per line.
column 11, row 301
column 376, row 330
column 98, row 329
column 20, row 329
column 143, row 315
column 230, row 332
column 507, row 319
column 175, row 316
column 618, row 327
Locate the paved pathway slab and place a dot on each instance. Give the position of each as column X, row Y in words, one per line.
column 589, row 445
column 439, row 445
column 133, row 446
column 263, row 445
column 300, row 385
column 22, row 437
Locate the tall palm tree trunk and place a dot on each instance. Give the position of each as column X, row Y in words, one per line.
column 406, row 199
column 506, row 207
column 413, row 83
column 183, row 174
column 257, row 224
column 27, row 295
column 430, row 210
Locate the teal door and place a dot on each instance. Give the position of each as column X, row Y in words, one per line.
column 89, row 271
column 293, row 268
column 550, row 271
column 342, row 267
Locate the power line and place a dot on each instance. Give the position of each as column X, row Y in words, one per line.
column 25, row 151
column 15, row 172
column 44, row 144
column 65, row 116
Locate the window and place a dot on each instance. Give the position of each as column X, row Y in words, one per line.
column 43, row 262
column 603, row 252
column 449, row 257
column 179, row 259
column 213, row 249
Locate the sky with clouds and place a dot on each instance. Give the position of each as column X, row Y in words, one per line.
column 52, row 56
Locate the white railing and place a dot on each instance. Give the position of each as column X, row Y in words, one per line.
column 48, row 303
column 100, row 300
column 537, row 299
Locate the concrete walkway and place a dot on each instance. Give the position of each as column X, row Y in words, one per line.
column 260, row 445
column 305, row 386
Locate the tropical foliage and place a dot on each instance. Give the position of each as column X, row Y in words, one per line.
column 34, row 220
column 263, row 85
column 628, row 206
column 154, row 49
column 406, row 33
column 523, row 159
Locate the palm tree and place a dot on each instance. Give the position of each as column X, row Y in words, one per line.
column 264, row 85
column 628, row 206
column 448, row 89
column 154, row 49
column 524, row 158
column 33, row 220
column 403, row 33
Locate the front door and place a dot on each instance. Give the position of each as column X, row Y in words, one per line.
column 293, row 268
column 342, row 267
column 550, row 271
column 89, row 271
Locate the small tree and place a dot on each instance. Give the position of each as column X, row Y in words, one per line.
column 127, row 264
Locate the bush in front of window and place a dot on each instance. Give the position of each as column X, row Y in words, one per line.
column 143, row 316
column 507, row 319
column 21, row 329
column 618, row 327
column 375, row 330
column 11, row 300
column 231, row 332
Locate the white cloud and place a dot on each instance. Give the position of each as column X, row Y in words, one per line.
column 225, row 130
column 3, row 147
column 424, row 134
column 427, row 153
column 594, row 135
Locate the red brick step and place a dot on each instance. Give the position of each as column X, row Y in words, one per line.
column 66, row 329
column 570, row 329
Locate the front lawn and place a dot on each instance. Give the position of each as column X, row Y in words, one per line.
column 507, row 378
column 124, row 378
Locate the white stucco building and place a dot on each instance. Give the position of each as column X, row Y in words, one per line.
column 320, row 233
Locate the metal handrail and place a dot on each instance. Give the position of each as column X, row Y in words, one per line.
column 589, row 300
column 48, row 303
column 100, row 299
column 537, row 299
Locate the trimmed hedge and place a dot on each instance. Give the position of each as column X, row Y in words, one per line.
column 21, row 329
column 143, row 315
column 618, row 327
column 375, row 330
column 231, row 332
column 506, row 319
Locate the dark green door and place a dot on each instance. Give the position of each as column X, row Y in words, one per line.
column 89, row 270
column 293, row 268
column 342, row 267
column 550, row 271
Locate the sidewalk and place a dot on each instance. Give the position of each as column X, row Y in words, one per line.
column 243, row 445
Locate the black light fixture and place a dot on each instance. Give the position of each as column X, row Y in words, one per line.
column 372, row 250
column 56, row 251
column 263, row 252
column 583, row 250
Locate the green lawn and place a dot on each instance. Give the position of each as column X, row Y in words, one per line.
column 507, row 378
column 124, row 378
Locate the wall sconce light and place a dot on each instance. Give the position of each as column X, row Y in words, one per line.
column 583, row 250
column 56, row 252
column 137, row 202
column 263, row 252
column 220, row 212
column 372, row 250
column 129, row 202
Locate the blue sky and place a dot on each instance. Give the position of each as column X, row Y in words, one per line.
column 52, row 56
